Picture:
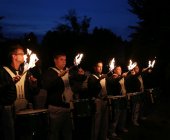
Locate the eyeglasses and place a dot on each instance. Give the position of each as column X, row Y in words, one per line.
column 19, row 53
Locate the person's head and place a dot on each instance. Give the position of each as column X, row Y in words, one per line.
column 135, row 70
column 98, row 67
column 60, row 60
column 118, row 70
column 16, row 53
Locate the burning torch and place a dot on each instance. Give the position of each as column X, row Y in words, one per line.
column 77, row 61
column 111, row 67
column 150, row 65
column 131, row 65
column 30, row 60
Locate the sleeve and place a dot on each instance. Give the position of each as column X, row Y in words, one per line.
column 7, row 88
column 54, row 86
column 94, row 86
column 52, row 82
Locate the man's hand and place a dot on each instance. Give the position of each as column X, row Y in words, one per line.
column 124, row 74
column 103, row 76
column 61, row 74
column 115, row 75
column 33, row 80
column 81, row 71
column 16, row 78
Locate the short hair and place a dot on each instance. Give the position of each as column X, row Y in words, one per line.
column 13, row 45
column 117, row 66
column 99, row 61
column 58, row 54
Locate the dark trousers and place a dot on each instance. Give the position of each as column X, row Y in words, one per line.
column 100, row 126
column 7, row 131
column 118, row 115
column 82, row 128
column 60, row 123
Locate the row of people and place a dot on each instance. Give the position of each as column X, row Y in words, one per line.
column 121, row 90
column 64, row 85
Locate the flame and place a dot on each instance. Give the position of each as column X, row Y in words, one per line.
column 151, row 64
column 25, row 58
column 131, row 65
column 112, row 64
column 32, row 60
column 78, row 58
column 29, row 52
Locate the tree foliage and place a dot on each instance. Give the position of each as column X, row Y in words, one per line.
column 73, row 37
column 154, row 19
column 74, row 23
column 151, row 35
column 1, row 34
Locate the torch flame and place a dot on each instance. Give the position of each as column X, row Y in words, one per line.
column 112, row 64
column 131, row 65
column 77, row 59
column 25, row 58
column 151, row 64
column 29, row 52
column 32, row 60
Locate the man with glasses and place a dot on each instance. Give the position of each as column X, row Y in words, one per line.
column 16, row 89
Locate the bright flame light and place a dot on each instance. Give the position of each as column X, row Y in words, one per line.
column 112, row 64
column 25, row 58
column 151, row 64
column 77, row 59
column 29, row 52
column 32, row 60
column 131, row 65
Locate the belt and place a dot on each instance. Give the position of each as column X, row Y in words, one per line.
column 65, row 105
column 6, row 106
column 149, row 90
column 117, row 97
column 134, row 93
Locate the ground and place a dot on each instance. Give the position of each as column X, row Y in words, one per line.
column 155, row 127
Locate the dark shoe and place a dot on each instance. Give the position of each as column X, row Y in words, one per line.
column 135, row 123
column 124, row 130
column 114, row 137
column 143, row 118
column 114, row 134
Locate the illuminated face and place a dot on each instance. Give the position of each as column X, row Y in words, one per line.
column 118, row 70
column 60, row 62
column 98, row 68
column 18, row 56
column 136, row 69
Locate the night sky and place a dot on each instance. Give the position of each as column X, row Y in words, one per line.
column 40, row 16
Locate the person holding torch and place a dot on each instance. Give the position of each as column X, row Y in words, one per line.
column 135, row 88
column 16, row 89
column 117, row 93
column 97, row 90
column 56, row 81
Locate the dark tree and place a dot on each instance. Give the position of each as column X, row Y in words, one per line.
column 74, row 23
column 73, row 37
column 85, row 24
column 153, row 29
column 1, row 34
column 151, row 36
column 72, row 18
